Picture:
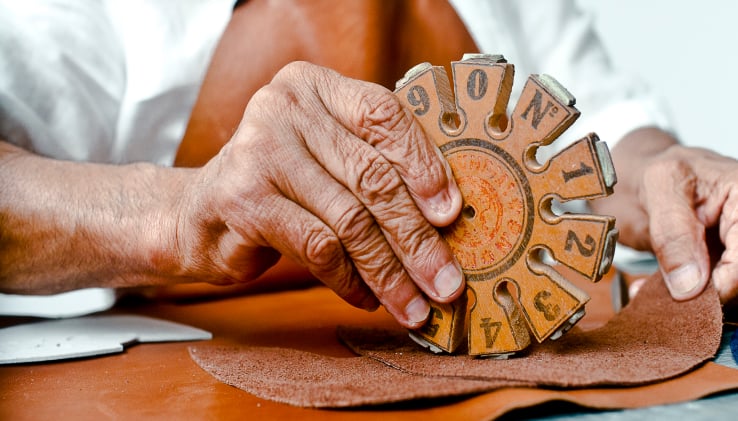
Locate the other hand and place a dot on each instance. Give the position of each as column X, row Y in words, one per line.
column 682, row 204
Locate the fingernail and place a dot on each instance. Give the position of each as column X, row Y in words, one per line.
column 448, row 280
column 683, row 280
column 417, row 310
column 441, row 203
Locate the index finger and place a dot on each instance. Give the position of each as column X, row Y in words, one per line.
column 380, row 120
column 677, row 234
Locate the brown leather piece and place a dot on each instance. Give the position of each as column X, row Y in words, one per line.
column 305, row 379
column 652, row 339
column 704, row 381
column 312, row 380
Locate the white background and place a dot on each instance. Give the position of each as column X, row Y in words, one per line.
column 688, row 52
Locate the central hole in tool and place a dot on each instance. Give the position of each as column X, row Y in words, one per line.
column 468, row 211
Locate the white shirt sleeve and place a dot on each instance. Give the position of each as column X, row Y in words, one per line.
column 554, row 37
column 101, row 81
column 61, row 78
column 165, row 66
column 104, row 80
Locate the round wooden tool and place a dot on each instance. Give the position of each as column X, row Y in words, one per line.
column 507, row 234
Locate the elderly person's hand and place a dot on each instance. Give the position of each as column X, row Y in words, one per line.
column 672, row 201
column 334, row 174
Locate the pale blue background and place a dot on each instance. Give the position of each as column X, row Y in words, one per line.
column 688, row 52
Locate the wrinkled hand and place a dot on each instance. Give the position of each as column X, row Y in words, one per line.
column 335, row 174
column 682, row 197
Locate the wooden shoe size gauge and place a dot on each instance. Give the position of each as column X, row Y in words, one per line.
column 507, row 222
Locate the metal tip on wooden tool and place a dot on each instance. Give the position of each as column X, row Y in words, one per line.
column 425, row 344
column 502, row 356
column 413, row 72
column 608, row 251
column 483, row 58
column 568, row 324
column 608, row 169
column 556, row 89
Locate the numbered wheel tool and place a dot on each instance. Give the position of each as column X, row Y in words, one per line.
column 507, row 231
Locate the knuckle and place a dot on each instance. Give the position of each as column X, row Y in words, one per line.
column 347, row 286
column 675, row 171
column 305, row 77
column 276, row 97
column 389, row 281
column 249, row 141
column 381, row 117
column 387, row 126
column 673, row 177
column 353, row 222
column 322, row 248
column 249, row 162
column 360, row 236
column 378, row 180
column 421, row 239
column 422, row 247
column 292, row 70
column 326, row 259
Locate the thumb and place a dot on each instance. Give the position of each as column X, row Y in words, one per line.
column 677, row 234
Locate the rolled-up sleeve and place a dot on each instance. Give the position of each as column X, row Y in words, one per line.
column 62, row 78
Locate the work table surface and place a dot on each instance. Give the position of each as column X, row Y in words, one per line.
column 162, row 381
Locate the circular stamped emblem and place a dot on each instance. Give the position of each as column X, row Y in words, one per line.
column 497, row 216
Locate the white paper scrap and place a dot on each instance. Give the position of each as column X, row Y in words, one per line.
column 67, row 304
column 87, row 336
